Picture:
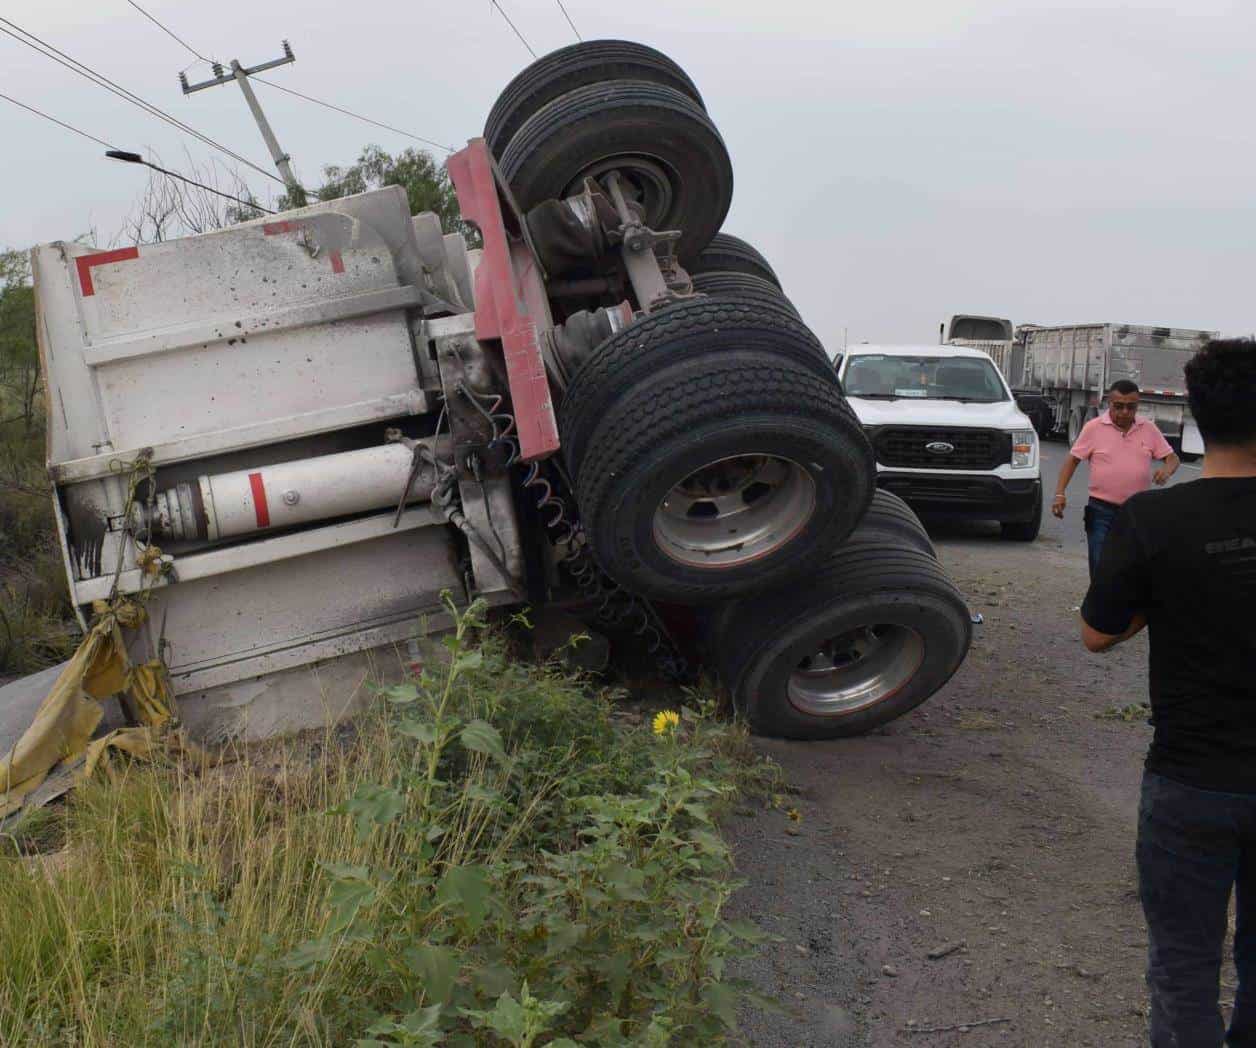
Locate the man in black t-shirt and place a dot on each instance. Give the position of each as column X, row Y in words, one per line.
column 1183, row 563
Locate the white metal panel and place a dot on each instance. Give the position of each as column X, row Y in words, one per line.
column 228, row 343
column 76, row 424
column 230, row 275
column 177, row 395
column 238, row 618
column 261, row 323
column 201, row 334
column 297, row 698
column 264, row 551
column 1089, row 357
column 242, row 438
column 490, row 509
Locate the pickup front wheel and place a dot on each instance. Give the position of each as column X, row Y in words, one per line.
column 1025, row 530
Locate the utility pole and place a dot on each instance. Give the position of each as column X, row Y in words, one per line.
column 241, row 76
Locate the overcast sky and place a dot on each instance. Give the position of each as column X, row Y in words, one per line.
column 897, row 160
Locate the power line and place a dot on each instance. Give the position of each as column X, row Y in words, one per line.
column 563, row 8
column 279, row 87
column 512, row 25
column 169, row 32
column 134, row 158
column 357, row 116
column 62, row 123
column 100, row 80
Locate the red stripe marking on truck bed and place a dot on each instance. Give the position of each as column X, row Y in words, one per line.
column 259, row 500
column 273, row 228
column 85, row 263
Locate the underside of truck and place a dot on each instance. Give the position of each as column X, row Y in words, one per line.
column 288, row 439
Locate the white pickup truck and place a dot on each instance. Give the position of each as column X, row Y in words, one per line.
column 948, row 435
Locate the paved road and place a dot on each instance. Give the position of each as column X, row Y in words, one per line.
column 1067, row 534
column 970, row 862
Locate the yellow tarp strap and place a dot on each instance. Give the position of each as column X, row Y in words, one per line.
column 66, row 720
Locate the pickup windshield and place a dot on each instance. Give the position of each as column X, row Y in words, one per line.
column 879, row 376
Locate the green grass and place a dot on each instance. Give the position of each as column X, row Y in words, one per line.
column 489, row 857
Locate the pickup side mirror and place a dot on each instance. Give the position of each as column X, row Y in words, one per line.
column 837, row 362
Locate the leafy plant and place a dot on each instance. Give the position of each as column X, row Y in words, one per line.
column 489, row 858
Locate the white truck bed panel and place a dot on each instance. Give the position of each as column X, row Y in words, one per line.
column 284, row 375
column 269, row 320
column 293, row 340
column 252, row 616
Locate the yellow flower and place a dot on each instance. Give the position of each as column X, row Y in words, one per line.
column 794, row 815
column 666, row 722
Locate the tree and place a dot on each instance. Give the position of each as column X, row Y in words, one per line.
column 426, row 184
column 168, row 208
column 19, row 357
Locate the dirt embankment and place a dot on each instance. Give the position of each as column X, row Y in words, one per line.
column 972, row 861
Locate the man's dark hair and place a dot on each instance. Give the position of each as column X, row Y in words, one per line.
column 1123, row 386
column 1221, row 385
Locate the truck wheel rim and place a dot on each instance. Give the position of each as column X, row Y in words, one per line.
column 856, row 670
column 734, row 510
column 649, row 183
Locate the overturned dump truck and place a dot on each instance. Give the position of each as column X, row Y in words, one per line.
column 293, row 435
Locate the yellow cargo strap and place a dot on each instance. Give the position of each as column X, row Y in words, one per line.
column 62, row 730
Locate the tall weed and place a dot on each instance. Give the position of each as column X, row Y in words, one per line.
column 490, row 857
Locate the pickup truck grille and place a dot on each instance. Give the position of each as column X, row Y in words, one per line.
column 906, row 447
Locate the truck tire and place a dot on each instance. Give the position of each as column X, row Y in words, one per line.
column 729, row 254
column 727, row 284
column 662, row 143
column 1076, row 420
column 697, row 327
column 877, row 631
column 889, row 518
column 1024, row 530
column 589, row 62
column 722, row 474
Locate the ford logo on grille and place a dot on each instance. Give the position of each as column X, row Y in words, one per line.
column 939, row 447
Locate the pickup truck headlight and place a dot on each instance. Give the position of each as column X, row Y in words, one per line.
column 1024, row 448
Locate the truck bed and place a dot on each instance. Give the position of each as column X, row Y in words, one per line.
column 1090, row 357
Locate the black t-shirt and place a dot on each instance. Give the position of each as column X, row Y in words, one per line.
column 1186, row 556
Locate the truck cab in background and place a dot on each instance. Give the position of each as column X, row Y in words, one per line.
column 948, row 435
column 1003, row 343
column 971, row 327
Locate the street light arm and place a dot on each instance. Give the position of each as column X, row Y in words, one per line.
column 128, row 157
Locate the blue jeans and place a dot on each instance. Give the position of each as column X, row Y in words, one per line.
column 1097, row 518
column 1194, row 848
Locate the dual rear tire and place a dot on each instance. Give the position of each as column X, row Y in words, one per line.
column 712, row 452
column 608, row 105
column 713, row 457
column 870, row 636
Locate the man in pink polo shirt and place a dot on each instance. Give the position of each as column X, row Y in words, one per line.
column 1120, row 448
